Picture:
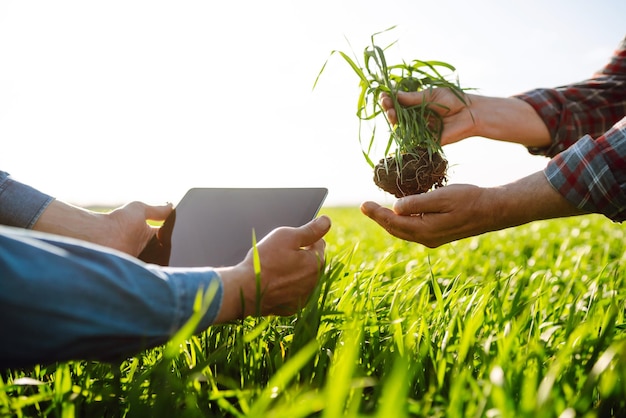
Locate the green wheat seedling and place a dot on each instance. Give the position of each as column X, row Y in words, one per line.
column 412, row 161
column 526, row 322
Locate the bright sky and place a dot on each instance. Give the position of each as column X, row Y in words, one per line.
column 107, row 102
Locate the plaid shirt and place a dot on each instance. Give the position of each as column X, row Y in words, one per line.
column 587, row 124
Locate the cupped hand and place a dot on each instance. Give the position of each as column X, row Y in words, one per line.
column 436, row 217
column 458, row 121
column 459, row 211
column 291, row 262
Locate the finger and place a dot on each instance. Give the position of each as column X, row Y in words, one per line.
column 159, row 212
column 392, row 116
column 413, row 98
column 369, row 208
column 378, row 213
column 318, row 249
column 398, row 226
column 386, row 102
column 428, row 96
column 313, row 231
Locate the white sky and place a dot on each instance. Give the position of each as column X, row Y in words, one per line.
column 107, row 102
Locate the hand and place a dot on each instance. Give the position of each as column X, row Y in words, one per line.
column 459, row 211
column 129, row 230
column 501, row 118
column 291, row 262
column 124, row 229
column 458, row 121
column 434, row 218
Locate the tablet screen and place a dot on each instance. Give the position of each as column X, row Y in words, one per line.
column 214, row 226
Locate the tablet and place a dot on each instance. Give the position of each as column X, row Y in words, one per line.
column 214, row 226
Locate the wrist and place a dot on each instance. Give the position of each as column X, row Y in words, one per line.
column 508, row 119
column 530, row 199
column 487, row 112
column 474, row 108
column 239, row 297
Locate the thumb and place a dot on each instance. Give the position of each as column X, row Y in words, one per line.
column 313, row 231
column 413, row 98
column 159, row 212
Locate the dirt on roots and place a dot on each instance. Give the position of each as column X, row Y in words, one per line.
column 419, row 173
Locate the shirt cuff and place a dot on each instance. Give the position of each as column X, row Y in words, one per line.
column 20, row 204
column 583, row 176
column 197, row 290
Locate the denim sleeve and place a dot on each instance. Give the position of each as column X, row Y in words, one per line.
column 20, row 204
column 63, row 299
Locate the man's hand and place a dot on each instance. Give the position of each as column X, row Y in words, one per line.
column 130, row 231
column 501, row 118
column 124, row 229
column 459, row 211
column 458, row 121
column 292, row 260
column 433, row 218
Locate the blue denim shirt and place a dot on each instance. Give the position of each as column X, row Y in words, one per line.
column 20, row 205
column 63, row 299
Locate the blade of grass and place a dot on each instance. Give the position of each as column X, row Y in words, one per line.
column 280, row 380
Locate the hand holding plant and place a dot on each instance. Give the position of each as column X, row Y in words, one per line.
column 413, row 160
column 457, row 118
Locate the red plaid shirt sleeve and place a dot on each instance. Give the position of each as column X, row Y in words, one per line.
column 591, row 174
column 587, row 125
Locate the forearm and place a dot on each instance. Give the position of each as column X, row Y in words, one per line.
column 124, row 229
column 488, row 209
column 528, row 199
column 63, row 299
column 61, row 218
column 26, row 207
column 507, row 119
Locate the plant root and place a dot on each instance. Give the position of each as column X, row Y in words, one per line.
column 419, row 173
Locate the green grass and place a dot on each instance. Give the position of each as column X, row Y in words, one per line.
column 526, row 322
